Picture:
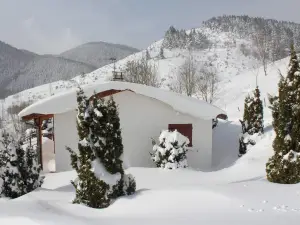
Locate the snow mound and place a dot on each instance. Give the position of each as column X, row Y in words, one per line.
column 102, row 174
column 51, row 165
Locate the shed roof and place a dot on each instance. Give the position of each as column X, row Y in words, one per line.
column 66, row 101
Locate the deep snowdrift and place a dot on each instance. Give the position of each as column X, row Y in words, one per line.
column 235, row 195
column 239, row 194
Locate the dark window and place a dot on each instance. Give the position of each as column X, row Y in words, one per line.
column 184, row 129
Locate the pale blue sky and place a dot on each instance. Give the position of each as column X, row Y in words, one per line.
column 53, row 26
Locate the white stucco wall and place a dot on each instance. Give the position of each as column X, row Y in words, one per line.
column 65, row 132
column 142, row 118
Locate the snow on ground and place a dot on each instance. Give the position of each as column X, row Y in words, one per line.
column 239, row 194
column 232, row 93
column 235, row 195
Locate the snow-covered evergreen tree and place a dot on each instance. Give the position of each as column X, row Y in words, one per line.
column 284, row 165
column 4, row 156
column 32, row 178
column 180, row 39
column 90, row 190
column 171, row 151
column 246, row 124
column 252, row 122
column 19, row 169
column 276, row 35
column 13, row 183
column 256, row 114
column 148, row 57
column 101, row 177
column 161, row 53
column 110, row 149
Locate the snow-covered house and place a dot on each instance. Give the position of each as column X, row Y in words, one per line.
column 144, row 112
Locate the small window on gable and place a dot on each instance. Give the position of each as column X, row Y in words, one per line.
column 184, row 129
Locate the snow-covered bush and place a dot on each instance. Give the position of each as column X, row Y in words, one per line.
column 171, row 151
column 245, row 139
column 19, row 168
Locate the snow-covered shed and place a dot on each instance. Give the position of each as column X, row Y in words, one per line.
column 144, row 112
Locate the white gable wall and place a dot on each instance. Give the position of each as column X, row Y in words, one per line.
column 142, row 118
column 65, row 132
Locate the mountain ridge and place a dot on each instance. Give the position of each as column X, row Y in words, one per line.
column 107, row 50
column 21, row 69
column 228, row 52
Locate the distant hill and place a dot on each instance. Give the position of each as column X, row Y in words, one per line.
column 98, row 53
column 225, row 45
column 21, row 69
column 12, row 60
column 44, row 69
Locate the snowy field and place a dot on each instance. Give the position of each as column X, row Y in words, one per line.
column 239, row 194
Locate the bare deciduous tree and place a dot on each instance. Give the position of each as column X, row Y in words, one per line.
column 190, row 80
column 261, row 43
column 13, row 112
column 207, row 83
column 141, row 72
column 186, row 78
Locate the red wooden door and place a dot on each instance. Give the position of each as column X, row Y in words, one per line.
column 185, row 130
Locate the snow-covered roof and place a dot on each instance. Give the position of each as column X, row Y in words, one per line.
column 66, row 101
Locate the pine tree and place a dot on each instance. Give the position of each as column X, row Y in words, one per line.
column 126, row 185
column 90, row 190
column 252, row 122
column 246, row 126
column 13, row 185
column 32, row 178
column 256, row 114
column 161, row 53
column 19, row 169
column 148, row 57
column 284, row 165
column 4, row 156
column 247, row 112
column 110, row 149
column 101, row 177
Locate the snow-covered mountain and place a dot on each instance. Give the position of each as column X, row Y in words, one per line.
column 11, row 61
column 237, row 193
column 98, row 53
column 44, row 69
column 232, row 52
column 21, row 69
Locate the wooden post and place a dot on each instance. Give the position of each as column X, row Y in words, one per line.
column 53, row 135
column 41, row 141
column 38, row 122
